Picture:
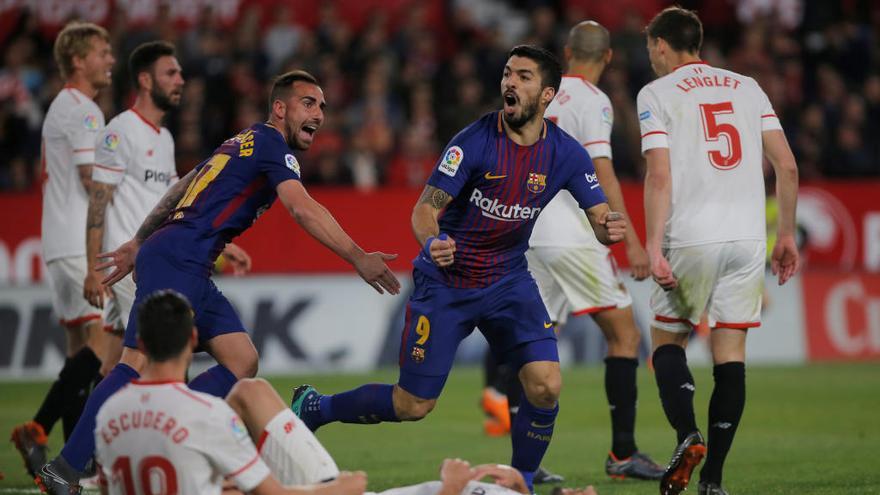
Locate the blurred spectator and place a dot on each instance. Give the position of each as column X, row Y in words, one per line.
column 401, row 79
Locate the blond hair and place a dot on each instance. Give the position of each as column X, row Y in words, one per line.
column 75, row 40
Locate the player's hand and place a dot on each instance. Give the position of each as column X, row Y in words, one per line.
column 615, row 225
column 662, row 272
column 639, row 262
column 502, row 475
column 372, row 268
column 785, row 260
column 347, row 483
column 238, row 259
column 94, row 291
column 455, row 474
column 122, row 261
column 442, row 250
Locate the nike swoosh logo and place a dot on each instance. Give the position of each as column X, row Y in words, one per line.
column 548, row 325
column 536, row 425
column 489, row 176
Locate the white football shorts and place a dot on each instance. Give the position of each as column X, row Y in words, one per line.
column 118, row 308
column 725, row 279
column 578, row 280
column 66, row 277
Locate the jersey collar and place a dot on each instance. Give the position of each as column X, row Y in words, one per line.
column 155, row 382
column 501, row 126
column 152, row 126
column 696, row 62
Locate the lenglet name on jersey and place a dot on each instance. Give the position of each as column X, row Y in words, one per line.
column 496, row 210
column 689, row 83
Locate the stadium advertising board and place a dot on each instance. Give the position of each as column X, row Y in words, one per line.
column 842, row 315
column 841, row 222
column 336, row 323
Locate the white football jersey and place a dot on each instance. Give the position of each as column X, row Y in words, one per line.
column 138, row 158
column 69, row 132
column 162, row 437
column 711, row 121
column 583, row 111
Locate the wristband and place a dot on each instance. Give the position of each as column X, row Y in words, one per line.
column 426, row 249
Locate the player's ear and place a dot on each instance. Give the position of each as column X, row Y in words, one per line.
column 77, row 62
column 145, row 80
column 547, row 95
column 279, row 108
column 566, row 52
column 194, row 338
column 608, row 56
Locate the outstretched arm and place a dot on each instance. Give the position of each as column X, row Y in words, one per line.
column 165, row 206
column 122, row 259
column 425, row 226
column 320, row 224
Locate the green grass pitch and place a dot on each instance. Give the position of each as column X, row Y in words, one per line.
column 806, row 430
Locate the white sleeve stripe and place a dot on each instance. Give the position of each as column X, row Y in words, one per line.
column 594, row 186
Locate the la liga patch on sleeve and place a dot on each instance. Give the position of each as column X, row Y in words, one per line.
column 451, row 160
column 291, row 163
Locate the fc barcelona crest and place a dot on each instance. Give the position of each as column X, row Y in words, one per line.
column 536, row 182
column 418, row 354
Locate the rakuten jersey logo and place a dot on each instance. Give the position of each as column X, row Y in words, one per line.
column 496, row 210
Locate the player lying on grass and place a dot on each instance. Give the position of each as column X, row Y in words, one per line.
column 154, row 427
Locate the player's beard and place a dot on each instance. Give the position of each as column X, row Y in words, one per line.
column 290, row 136
column 529, row 109
column 162, row 100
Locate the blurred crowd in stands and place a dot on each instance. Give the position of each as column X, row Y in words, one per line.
column 401, row 77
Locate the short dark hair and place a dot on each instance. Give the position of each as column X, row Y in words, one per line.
column 548, row 64
column 679, row 27
column 282, row 84
column 145, row 55
column 164, row 324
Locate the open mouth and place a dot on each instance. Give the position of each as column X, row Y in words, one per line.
column 309, row 130
column 510, row 100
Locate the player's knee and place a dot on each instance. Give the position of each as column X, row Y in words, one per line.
column 544, row 392
column 415, row 410
column 408, row 407
column 624, row 343
column 247, row 391
column 246, row 365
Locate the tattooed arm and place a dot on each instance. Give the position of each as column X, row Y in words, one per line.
column 425, row 226
column 123, row 258
column 85, row 177
column 164, row 207
column 426, row 211
column 100, row 194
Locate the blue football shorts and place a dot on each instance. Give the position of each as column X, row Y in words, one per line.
column 155, row 270
column 509, row 313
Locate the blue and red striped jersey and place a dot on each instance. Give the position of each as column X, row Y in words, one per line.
column 231, row 190
column 499, row 188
